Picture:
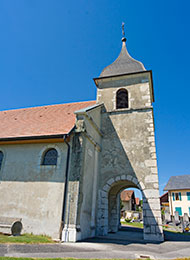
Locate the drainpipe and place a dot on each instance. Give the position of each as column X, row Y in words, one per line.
column 66, row 186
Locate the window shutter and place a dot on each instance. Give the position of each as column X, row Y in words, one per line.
column 179, row 210
column 173, row 196
column 180, row 196
column 188, row 195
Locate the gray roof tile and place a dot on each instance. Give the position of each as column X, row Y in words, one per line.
column 181, row 182
column 124, row 64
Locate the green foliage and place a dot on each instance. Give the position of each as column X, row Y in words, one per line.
column 121, row 205
column 127, row 220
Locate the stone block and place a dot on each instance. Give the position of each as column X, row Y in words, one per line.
column 103, row 194
column 152, row 149
column 146, row 97
column 150, row 220
column 151, row 193
column 154, row 237
column 142, row 187
column 150, row 163
column 145, row 205
column 123, row 177
column 151, row 178
column 153, row 155
column 154, row 201
column 156, row 185
column 151, row 139
column 104, row 201
column 159, row 229
column 106, row 187
column 146, row 229
column 129, row 177
column 159, row 220
column 153, row 229
column 154, row 170
column 134, row 180
column 156, row 213
column 118, row 178
column 110, row 181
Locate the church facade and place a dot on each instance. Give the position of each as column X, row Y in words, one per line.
column 62, row 167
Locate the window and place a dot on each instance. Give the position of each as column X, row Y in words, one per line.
column 122, row 98
column 1, row 158
column 50, row 157
column 188, row 195
column 176, row 196
column 178, row 209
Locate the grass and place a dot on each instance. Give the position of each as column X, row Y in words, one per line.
column 132, row 224
column 25, row 239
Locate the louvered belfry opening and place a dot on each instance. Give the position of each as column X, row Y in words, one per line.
column 122, row 99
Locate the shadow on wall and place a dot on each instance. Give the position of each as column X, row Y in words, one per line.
column 125, row 148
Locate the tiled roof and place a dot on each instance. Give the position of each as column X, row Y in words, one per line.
column 137, row 201
column 126, row 195
column 40, row 121
column 181, row 182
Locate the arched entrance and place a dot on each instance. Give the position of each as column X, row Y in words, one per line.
column 108, row 218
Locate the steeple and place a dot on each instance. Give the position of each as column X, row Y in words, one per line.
column 124, row 64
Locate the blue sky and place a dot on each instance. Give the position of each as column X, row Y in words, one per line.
column 51, row 49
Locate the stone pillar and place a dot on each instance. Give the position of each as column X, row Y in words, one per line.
column 152, row 216
column 102, row 215
column 93, row 213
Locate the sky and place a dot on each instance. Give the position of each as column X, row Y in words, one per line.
column 50, row 51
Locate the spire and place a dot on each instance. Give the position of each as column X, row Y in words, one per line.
column 124, row 64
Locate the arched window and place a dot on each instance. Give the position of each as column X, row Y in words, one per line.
column 122, row 98
column 50, row 157
column 1, row 158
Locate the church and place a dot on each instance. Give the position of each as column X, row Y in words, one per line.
column 63, row 167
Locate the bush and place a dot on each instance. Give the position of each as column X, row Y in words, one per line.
column 127, row 220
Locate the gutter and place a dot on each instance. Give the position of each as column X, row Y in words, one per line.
column 39, row 137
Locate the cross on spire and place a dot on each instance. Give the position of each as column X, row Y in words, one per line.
column 123, row 30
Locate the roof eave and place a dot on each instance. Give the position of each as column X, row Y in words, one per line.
column 96, row 80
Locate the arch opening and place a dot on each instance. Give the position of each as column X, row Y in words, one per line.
column 108, row 220
column 120, row 213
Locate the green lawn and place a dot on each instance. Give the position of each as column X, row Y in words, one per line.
column 25, row 239
column 132, row 224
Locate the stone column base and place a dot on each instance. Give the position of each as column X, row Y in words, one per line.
column 154, row 237
column 71, row 234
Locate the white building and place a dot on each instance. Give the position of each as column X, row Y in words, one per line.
column 178, row 188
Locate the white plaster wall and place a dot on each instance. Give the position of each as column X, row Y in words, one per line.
column 184, row 203
column 32, row 191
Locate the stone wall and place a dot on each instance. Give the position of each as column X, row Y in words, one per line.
column 128, row 150
column 32, row 191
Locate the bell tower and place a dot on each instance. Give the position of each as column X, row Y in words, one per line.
column 128, row 155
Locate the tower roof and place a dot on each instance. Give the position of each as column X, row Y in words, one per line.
column 124, row 64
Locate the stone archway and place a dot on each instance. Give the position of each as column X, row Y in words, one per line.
column 108, row 207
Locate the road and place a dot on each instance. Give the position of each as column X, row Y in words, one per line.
column 124, row 244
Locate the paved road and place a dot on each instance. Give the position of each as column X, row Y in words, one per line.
column 122, row 245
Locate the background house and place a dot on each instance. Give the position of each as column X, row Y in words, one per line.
column 128, row 202
column 178, row 188
column 164, row 202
